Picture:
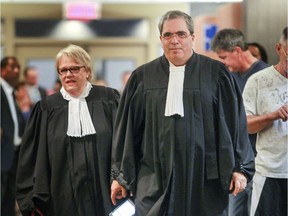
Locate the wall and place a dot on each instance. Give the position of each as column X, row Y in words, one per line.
column 264, row 22
column 108, row 49
column 223, row 16
column 152, row 12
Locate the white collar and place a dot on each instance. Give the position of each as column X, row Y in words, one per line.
column 6, row 87
column 79, row 119
column 174, row 100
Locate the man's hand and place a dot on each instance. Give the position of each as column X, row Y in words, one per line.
column 117, row 192
column 283, row 112
column 238, row 182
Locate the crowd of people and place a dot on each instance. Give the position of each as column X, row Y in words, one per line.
column 186, row 135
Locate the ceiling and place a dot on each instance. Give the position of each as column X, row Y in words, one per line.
column 118, row 1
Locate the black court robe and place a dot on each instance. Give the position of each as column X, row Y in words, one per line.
column 181, row 165
column 65, row 175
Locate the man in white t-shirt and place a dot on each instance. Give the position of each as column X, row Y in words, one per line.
column 265, row 98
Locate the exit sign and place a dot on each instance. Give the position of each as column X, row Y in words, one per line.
column 81, row 10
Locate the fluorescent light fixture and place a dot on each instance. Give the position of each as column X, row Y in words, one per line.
column 82, row 10
column 72, row 30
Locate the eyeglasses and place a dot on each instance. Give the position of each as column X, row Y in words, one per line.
column 179, row 34
column 286, row 54
column 73, row 70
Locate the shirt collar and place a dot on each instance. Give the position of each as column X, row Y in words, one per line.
column 6, row 87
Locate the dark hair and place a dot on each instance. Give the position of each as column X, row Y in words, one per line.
column 58, row 81
column 25, row 72
column 285, row 33
column 262, row 51
column 5, row 61
column 173, row 14
column 228, row 39
column 20, row 84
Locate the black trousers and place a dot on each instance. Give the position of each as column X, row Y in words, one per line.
column 8, row 188
column 273, row 199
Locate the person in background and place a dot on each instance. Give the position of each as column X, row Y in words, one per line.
column 180, row 143
column 35, row 91
column 57, row 86
column 23, row 99
column 12, row 127
column 125, row 77
column 65, row 159
column 266, row 103
column 100, row 82
column 232, row 49
column 258, row 51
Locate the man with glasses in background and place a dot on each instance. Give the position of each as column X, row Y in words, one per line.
column 180, row 142
column 265, row 98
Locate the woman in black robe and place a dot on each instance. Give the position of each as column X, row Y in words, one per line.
column 64, row 163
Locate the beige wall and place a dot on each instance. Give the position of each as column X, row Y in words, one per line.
column 149, row 11
column 264, row 22
column 231, row 16
column 261, row 21
column 226, row 16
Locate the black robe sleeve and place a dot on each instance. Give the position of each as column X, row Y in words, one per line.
column 232, row 128
column 28, row 155
column 130, row 124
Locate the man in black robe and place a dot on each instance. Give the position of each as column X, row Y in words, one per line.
column 180, row 140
